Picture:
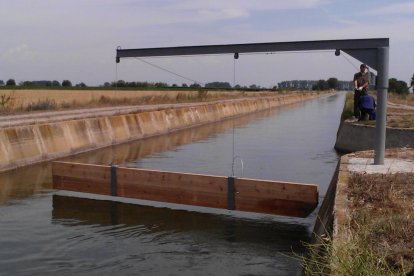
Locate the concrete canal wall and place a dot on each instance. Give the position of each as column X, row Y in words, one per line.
column 357, row 137
column 27, row 144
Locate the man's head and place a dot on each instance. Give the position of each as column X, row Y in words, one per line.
column 363, row 68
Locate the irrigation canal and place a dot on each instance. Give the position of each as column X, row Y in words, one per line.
column 45, row 232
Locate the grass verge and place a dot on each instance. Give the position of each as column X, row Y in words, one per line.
column 381, row 230
column 348, row 112
column 12, row 102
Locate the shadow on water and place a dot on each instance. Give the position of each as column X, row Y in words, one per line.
column 73, row 211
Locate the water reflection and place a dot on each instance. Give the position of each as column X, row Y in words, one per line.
column 132, row 220
column 23, row 183
column 28, row 181
column 66, row 235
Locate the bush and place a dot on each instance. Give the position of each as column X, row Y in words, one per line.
column 397, row 86
column 202, row 94
column 4, row 101
column 42, row 105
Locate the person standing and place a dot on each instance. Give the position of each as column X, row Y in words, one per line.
column 361, row 82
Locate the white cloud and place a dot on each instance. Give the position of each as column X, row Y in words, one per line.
column 397, row 8
column 21, row 53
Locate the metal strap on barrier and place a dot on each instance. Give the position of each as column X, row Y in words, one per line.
column 231, row 200
column 113, row 180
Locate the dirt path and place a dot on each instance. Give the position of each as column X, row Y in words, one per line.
column 402, row 106
column 55, row 116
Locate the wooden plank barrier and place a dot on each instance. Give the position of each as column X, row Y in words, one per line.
column 251, row 195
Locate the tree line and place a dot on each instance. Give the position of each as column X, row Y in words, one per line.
column 395, row 85
column 41, row 83
column 331, row 83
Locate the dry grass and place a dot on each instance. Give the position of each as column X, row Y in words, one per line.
column 380, row 241
column 16, row 101
column 407, row 99
column 348, row 111
column 382, row 216
column 402, row 121
column 379, row 236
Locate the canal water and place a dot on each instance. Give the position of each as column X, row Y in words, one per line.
column 47, row 232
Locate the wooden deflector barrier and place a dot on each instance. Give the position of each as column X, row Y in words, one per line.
column 242, row 194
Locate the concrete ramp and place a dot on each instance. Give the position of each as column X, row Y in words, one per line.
column 242, row 194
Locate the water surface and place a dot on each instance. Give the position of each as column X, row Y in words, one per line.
column 45, row 232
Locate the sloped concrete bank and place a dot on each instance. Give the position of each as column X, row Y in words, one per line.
column 357, row 137
column 22, row 145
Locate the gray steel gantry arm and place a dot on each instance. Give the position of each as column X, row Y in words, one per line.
column 373, row 51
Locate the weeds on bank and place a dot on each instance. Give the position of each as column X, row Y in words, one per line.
column 406, row 99
column 5, row 102
column 42, row 105
column 353, row 257
column 383, row 214
column 403, row 121
column 348, row 111
column 381, row 231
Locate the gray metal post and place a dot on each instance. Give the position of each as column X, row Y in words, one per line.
column 382, row 87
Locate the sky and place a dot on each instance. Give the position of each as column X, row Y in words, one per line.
column 77, row 39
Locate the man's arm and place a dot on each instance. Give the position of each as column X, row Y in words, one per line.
column 356, row 81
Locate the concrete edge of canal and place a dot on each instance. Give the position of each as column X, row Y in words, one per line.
column 24, row 145
column 357, row 137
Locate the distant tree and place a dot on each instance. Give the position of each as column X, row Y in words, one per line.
column 397, row 86
column 195, row 85
column 81, row 85
column 184, row 85
column 332, row 83
column 321, row 85
column 254, row 86
column 412, row 82
column 1, row 82
column 42, row 83
column 26, row 83
column 174, row 85
column 237, row 86
column 144, row 84
column 66, row 83
column 160, row 84
column 217, row 84
column 55, row 83
column 120, row 83
column 11, row 82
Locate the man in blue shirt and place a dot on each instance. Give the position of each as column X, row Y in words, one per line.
column 367, row 106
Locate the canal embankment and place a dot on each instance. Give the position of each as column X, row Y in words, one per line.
column 28, row 140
